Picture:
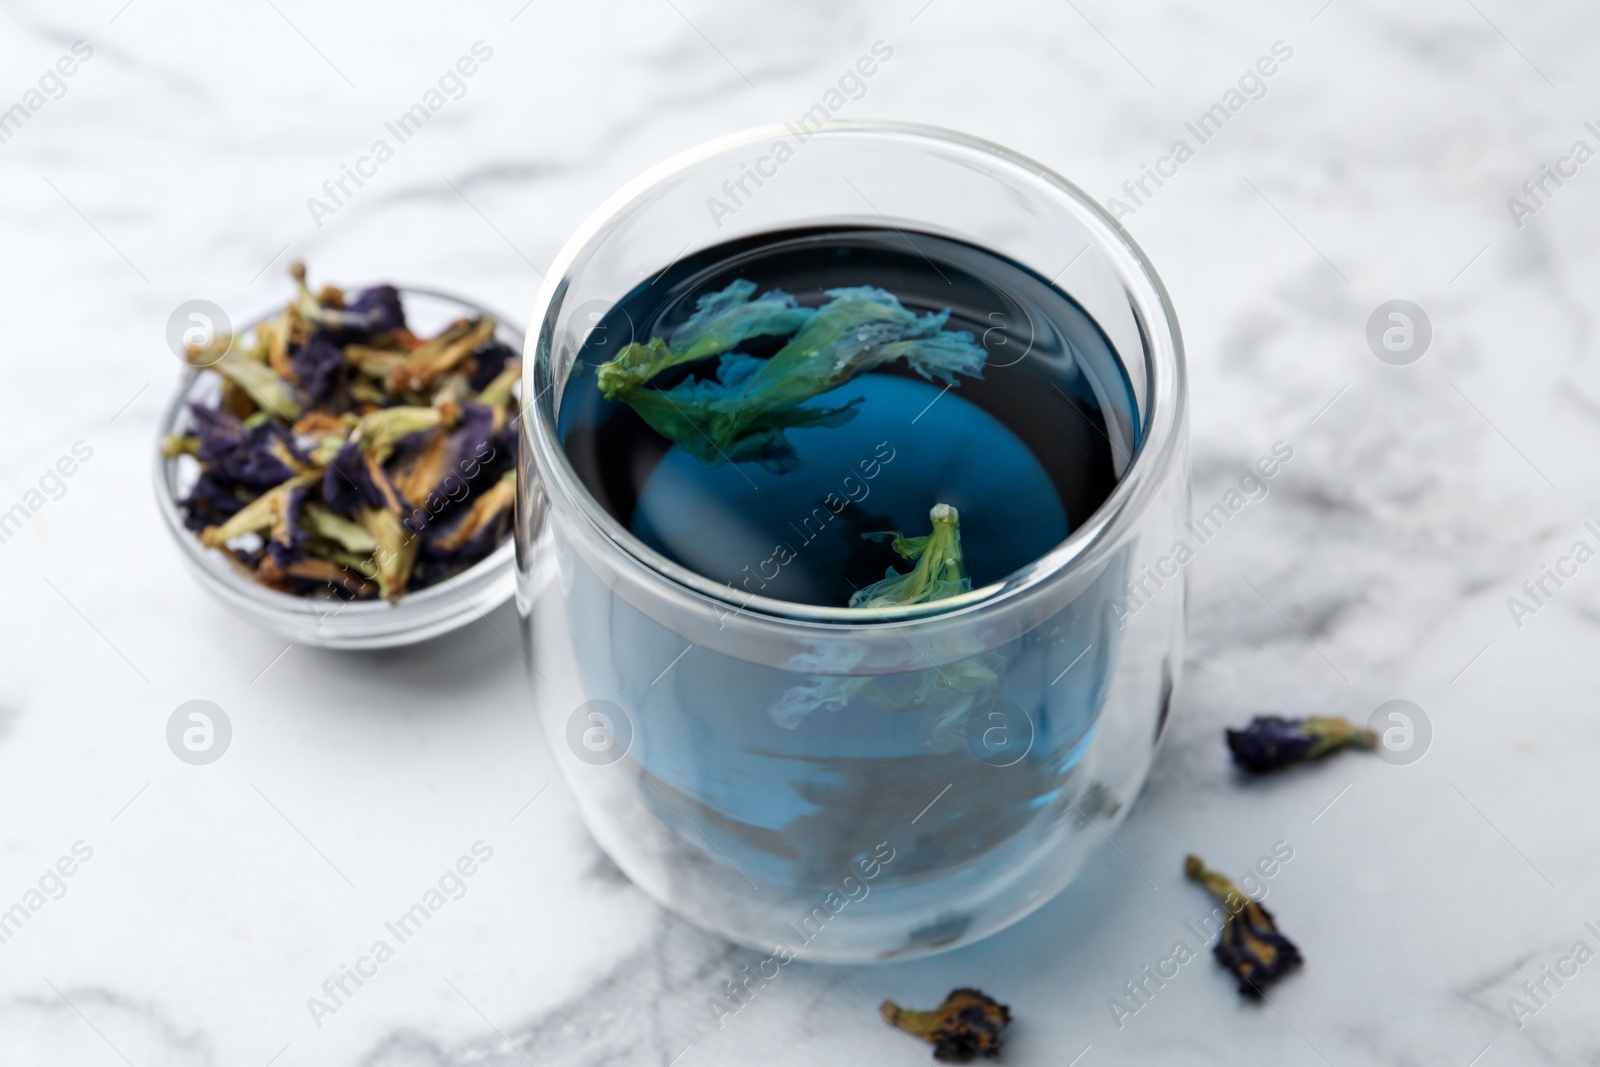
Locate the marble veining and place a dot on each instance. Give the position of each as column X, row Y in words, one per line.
column 177, row 164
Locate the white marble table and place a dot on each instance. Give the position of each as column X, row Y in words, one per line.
column 177, row 163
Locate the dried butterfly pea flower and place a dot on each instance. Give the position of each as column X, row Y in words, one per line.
column 288, row 537
column 349, row 455
column 253, row 454
column 487, row 510
column 378, row 432
column 439, row 470
column 418, row 370
column 1272, row 743
column 376, row 311
column 269, row 392
column 211, row 501
column 497, row 393
column 1250, row 946
column 379, row 310
column 967, row 1025
column 262, row 513
column 473, row 537
column 351, row 536
column 318, row 367
column 492, row 360
column 352, row 480
column 939, row 572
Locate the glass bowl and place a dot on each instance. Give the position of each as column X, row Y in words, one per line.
column 974, row 752
column 329, row 623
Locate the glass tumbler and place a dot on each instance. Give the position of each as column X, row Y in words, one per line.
column 962, row 758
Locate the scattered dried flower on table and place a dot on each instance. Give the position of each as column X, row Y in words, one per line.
column 1251, row 948
column 1271, row 743
column 348, row 455
column 966, row 1026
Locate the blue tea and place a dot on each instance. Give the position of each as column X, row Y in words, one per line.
column 992, row 402
column 1025, row 450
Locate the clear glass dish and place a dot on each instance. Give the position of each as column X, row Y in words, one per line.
column 852, row 836
column 328, row 623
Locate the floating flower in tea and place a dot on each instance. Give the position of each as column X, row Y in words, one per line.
column 939, row 572
column 742, row 413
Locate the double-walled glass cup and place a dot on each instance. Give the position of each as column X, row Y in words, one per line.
column 974, row 751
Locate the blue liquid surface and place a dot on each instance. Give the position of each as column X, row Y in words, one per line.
column 1025, row 453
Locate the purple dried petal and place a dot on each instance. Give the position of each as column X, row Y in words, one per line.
column 436, row 564
column 236, row 456
column 347, row 484
column 1272, row 742
column 492, row 359
column 219, row 430
column 1253, row 950
column 211, row 502
column 475, row 439
column 1251, row 946
column 440, row 477
column 319, row 364
column 380, row 307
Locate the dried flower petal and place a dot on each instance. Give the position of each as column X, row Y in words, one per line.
column 967, row 1025
column 1250, row 947
column 211, row 501
column 352, row 536
column 259, row 515
column 380, row 431
column 379, row 310
column 436, row 469
column 397, row 550
column 269, row 392
column 318, row 365
column 441, row 354
column 1272, row 743
column 497, row 394
column 490, row 362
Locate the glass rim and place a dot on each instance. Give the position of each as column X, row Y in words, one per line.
column 1164, row 413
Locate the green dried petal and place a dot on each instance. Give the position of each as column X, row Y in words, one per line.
column 380, row 431
column 396, row 551
column 353, row 536
column 440, row 354
column 270, row 392
column 720, row 322
column 939, row 572
column 859, row 330
column 1333, row 732
column 175, row 445
column 378, row 362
